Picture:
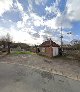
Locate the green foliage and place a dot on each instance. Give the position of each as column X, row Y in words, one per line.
column 22, row 52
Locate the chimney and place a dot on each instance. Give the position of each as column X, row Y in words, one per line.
column 50, row 41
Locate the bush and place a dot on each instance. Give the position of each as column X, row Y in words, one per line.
column 75, row 54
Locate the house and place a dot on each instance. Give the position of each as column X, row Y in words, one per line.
column 49, row 48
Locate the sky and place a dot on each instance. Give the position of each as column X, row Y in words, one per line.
column 34, row 21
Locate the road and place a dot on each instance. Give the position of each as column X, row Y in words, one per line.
column 19, row 78
column 69, row 68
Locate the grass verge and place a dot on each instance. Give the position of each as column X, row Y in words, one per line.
column 22, row 52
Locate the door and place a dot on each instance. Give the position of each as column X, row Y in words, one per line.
column 55, row 51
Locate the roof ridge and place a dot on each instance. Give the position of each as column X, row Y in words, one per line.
column 49, row 43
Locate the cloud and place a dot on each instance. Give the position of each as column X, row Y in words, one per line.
column 36, row 35
column 34, row 29
column 63, row 21
column 20, row 35
column 73, row 10
column 37, row 20
column 31, row 20
column 51, row 23
column 53, row 8
column 38, row 2
column 60, row 18
column 5, row 5
column 19, row 6
column 3, row 31
column 26, row 30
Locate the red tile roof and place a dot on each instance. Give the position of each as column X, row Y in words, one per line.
column 49, row 43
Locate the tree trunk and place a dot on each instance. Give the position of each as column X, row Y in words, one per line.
column 8, row 48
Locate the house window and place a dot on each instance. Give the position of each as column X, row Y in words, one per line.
column 43, row 49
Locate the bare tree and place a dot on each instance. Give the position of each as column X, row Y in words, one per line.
column 9, row 41
column 6, row 42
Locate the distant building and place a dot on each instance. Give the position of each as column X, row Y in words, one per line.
column 48, row 48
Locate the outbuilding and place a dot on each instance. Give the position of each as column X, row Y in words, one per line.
column 49, row 48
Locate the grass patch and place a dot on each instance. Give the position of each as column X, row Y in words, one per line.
column 22, row 52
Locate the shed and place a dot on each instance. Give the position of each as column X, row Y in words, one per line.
column 49, row 48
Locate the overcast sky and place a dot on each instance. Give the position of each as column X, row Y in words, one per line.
column 33, row 21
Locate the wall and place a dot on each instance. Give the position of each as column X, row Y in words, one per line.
column 47, row 51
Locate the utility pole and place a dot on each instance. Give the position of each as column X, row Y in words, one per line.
column 61, row 37
column 61, row 40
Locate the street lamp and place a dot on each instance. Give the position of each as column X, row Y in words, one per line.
column 69, row 33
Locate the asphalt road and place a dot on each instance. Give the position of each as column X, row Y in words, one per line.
column 18, row 78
